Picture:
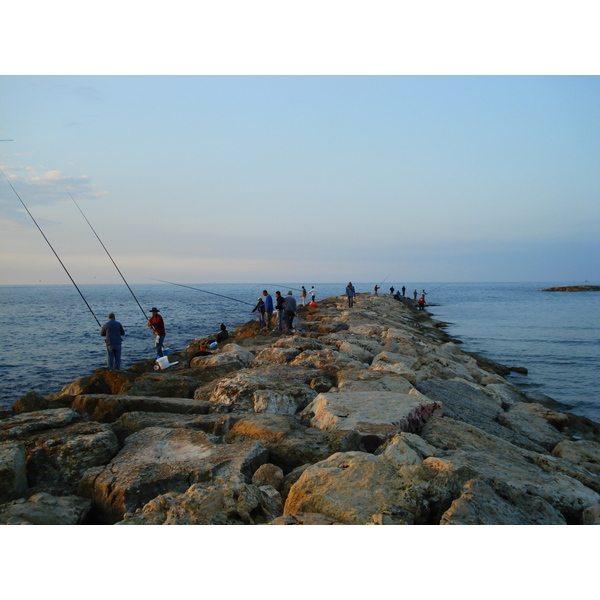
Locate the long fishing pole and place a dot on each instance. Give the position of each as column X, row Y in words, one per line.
column 199, row 290
column 109, row 256
column 282, row 285
column 51, row 248
column 385, row 278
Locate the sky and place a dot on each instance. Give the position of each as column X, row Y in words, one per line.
column 245, row 177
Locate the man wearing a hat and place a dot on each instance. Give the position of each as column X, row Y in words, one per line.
column 156, row 323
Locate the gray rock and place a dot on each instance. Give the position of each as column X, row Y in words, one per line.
column 156, row 460
column 45, row 509
column 13, row 479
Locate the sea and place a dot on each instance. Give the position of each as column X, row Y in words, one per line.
column 51, row 337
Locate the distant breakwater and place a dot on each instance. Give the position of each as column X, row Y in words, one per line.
column 366, row 415
column 574, row 288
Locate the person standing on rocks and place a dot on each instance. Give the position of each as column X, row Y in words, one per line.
column 350, row 292
column 375, row 289
column 290, row 310
column 112, row 330
column 392, row 290
column 415, row 295
column 403, row 291
column 268, row 308
column 260, row 307
column 303, row 296
column 279, row 307
column 312, row 293
column 156, row 323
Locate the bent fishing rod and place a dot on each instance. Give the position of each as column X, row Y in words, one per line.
column 109, row 256
column 385, row 279
column 199, row 290
column 51, row 248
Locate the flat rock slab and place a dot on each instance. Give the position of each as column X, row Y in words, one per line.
column 156, row 460
column 380, row 414
column 45, row 509
column 107, row 409
column 23, row 424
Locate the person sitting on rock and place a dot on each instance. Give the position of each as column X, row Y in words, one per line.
column 223, row 334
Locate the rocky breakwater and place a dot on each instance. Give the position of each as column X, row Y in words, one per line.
column 369, row 415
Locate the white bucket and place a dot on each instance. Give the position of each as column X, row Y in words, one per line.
column 163, row 362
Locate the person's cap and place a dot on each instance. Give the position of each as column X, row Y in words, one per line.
column 154, row 309
column 289, row 292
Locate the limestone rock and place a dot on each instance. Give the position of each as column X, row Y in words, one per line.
column 23, row 424
column 300, row 518
column 591, row 515
column 468, row 402
column 45, row 509
column 268, row 474
column 406, row 448
column 380, row 414
column 289, row 443
column 532, row 421
column 214, row 503
column 480, row 504
column 13, row 480
column 108, row 409
column 497, row 460
column 277, row 355
column 585, row 453
column 272, row 388
column 30, row 402
column 367, row 380
column 165, row 384
column 157, row 460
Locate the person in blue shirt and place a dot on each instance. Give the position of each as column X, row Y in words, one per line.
column 112, row 330
column 268, row 308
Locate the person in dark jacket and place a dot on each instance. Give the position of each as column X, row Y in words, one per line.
column 112, row 330
column 279, row 307
column 223, row 334
column 260, row 307
column 291, row 308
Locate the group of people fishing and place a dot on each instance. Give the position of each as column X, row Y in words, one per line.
column 351, row 293
column 285, row 309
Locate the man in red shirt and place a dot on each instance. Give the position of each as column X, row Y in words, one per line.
column 156, row 323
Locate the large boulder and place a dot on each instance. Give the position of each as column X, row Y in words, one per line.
column 271, row 388
column 497, row 460
column 289, row 443
column 31, row 402
column 217, row 502
column 379, row 414
column 166, row 384
column 482, row 503
column 157, row 460
column 23, row 424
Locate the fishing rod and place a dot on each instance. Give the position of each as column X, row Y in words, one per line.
column 53, row 250
column 437, row 288
column 385, row 278
column 109, row 256
column 199, row 290
column 281, row 285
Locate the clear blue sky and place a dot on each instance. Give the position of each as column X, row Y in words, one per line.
column 302, row 178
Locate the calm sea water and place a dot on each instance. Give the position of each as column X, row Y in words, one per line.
column 51, row 338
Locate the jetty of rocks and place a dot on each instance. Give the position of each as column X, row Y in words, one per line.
column 369, row 415
column 574, row 288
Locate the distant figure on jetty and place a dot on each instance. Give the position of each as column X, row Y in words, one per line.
column 423, row 294
column 421, row 302
column 260, row 307
column 350, row 292
column 392, row 290
column 415, row 295
column 397, row 296
column 403, row 291
column 223, row 334
column 312, row 293
column 290, row 310
column 279, row 307
column 156, row 323
column 375, row 289
column 268, row 308
column 113, row 330
column 303, row 296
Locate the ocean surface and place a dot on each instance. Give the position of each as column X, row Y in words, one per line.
column 51, row 338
